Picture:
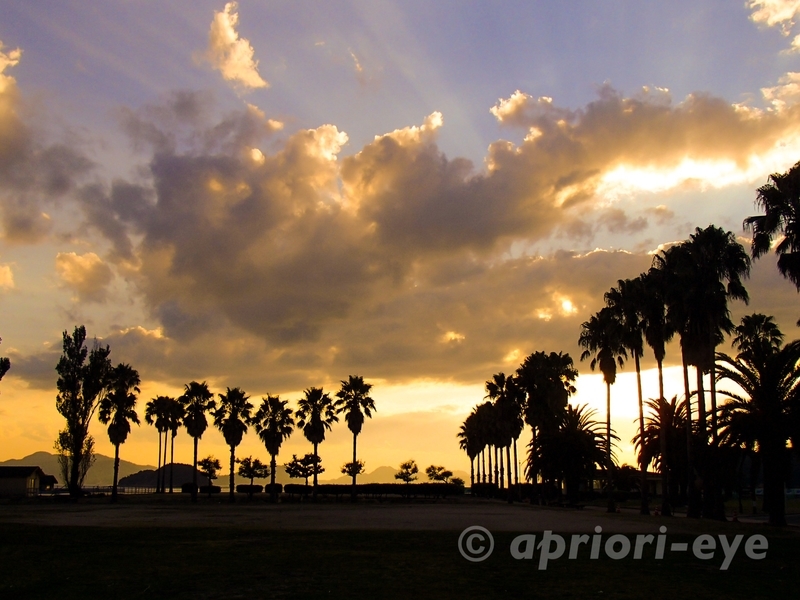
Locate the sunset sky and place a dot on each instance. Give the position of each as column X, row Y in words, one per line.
column 275, row 195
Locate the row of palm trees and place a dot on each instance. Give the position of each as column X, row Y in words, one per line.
column 686, row 293
column 233, row 414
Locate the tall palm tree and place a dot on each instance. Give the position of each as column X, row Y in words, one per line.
column 197, row 400
column 602, row 338
column 657, row 333
column 174, row 414
column 508, row 400
column 274, row 424
column 232, row 416
column 354, row 401
column 626, row 301
column 315, row 414
column 757, row 336
column 468, row 440
column 780, row 200
column 547, row 383
column 155, row 413
column 118, row 410
column 762, row 416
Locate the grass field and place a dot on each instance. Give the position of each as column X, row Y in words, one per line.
column 56, row 561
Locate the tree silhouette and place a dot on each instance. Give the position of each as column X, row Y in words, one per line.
column 625, row 300
column 197, row 399
column 156, row 413
column 81, row 385
column 354, row 402
column 547, row 380
column 173, row 415
column 118, row 410
column 209, row 466
column 252, row 469
column 468, row 440
column 303, row 468
column 762, row 416
column 353, row 468
column 780, row 200
column 5, row 364
column 231, row 417
column 438, row 473
column 315, row 414
column 657, row 333
column 508, row 401
column 408, row 471
column 602, row 336
column 274, row 424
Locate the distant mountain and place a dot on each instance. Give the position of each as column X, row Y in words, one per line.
column 101, row 472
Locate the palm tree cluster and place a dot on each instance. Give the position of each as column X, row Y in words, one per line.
column 233, row 414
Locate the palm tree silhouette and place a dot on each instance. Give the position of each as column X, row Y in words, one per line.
column 657, row 333
column 547, row 381
column 354, row 401
column 155, row 413
column 626, row 301
column 665, row 426
column 197, row 399
column 274, row 424
column 508, row 401
column 780, row 200
column 602, row 336
column 173, row 413
column 118, row 410
column 468, row 440
column 232, row 416
column 757, row 336
column 762, row 416
column 315, row 414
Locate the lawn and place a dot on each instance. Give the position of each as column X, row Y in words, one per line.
column 213, row 562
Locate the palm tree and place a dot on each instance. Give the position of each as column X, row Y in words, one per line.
column 232, row 416
column 657, row 333
column 571, row 451
column 174, row 414
column 602, row 338
column 780, row 200
column 315, row 414
column 665, row 426
column 757, row 336
column 118, row 409
column 155, row 413
column 762, row 416
column 353, row 400
column 625, row 300
column 546, row 381
column 274, row 424
column 197, row 399
column 508, row 399
column 468, row 440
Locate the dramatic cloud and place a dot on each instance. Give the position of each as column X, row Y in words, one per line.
column 86, row 274
column 230, row 54
column 33, row 174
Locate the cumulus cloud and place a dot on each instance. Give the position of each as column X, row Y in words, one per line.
column 86, row 274
column 774, row 12
column 230, row 54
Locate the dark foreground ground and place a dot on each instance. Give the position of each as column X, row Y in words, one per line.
column 157, row 548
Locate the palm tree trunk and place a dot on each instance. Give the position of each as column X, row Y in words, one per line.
column 701, row 405
column 666, row 510
column 644, row 509
column 483, row 465
column 353, row 491
column 194, row 473
column 693, row 508
column 171, row 461
column 516, row 464
column 314, row 490
column 499, row 456
column 611, row 506
column 164, row 464
column 713, row 387
column 116, row 473
column 471, row 471
column 490, row 464
column 158, row 471
column 231, row 495
column 508, row 472
column 272, row 467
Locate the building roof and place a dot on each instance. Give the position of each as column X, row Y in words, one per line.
column 19, row 472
